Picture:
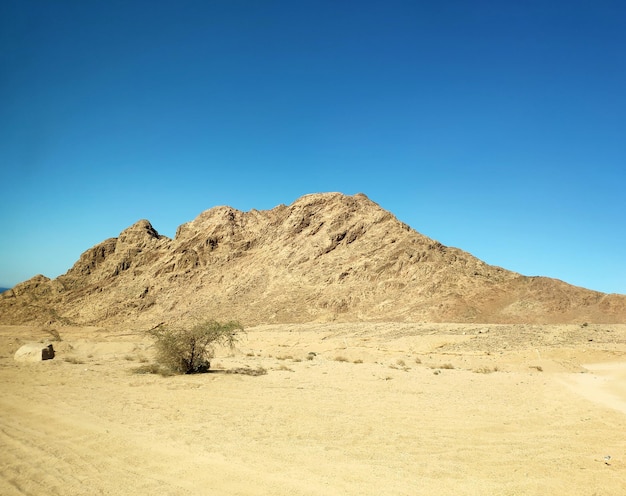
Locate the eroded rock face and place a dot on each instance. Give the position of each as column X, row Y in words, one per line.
column 34, row 352
column 326, row 257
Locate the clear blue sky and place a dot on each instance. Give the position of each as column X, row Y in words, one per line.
column 496, row 127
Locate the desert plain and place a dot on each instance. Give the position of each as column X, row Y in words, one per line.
column 343, row 408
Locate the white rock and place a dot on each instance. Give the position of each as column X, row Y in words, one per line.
column 34, row 352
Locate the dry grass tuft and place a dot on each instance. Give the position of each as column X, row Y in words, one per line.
column 73, row 360
column 399, row 365
column 247, row 371
column 447, row 366
column 485, row 370
column 153, row 368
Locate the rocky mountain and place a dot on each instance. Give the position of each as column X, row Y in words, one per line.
column 325, row 257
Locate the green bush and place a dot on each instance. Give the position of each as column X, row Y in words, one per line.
column 189, row 349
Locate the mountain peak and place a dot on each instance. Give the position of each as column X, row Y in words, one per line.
column 140, row 232
column 327, row 256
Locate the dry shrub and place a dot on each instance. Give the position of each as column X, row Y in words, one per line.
column 399, row 365
column 189, row 349
column 483, row 370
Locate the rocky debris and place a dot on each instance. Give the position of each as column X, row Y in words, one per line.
column 326, row 257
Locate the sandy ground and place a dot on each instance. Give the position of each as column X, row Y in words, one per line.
column 378, row 409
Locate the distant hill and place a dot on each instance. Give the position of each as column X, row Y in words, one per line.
column 326, row 257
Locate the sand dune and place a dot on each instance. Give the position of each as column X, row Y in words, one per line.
column 605, row 384
column 394, row 409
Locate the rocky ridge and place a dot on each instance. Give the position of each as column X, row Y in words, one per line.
column 326, row 257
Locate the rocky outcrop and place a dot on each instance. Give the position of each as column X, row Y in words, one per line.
column 325, row 257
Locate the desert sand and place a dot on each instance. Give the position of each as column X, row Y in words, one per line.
column 367, row 409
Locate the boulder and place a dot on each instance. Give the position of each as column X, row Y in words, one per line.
column 34, row 352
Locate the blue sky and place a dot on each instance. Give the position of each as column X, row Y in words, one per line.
column 496, row 127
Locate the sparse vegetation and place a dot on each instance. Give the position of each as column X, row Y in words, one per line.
column 73, row 360
column 341, row 359
column 446, row 366
column 399, row 365
column 486, row 370
column 247, row 371
column 152, row 368
column 538, row 368
column 189, row 349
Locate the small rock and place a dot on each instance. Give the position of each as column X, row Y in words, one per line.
column 34, row 352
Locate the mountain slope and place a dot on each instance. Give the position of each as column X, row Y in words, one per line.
column 325, row 257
